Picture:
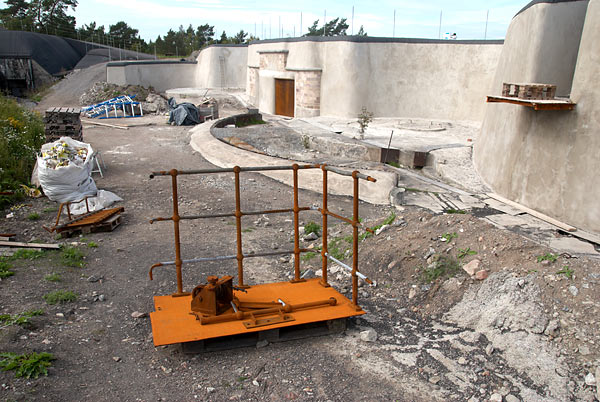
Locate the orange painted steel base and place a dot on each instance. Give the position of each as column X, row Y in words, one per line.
column 172, row 322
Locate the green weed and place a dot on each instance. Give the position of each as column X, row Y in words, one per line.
column 27, row 365
column 49, row 209
column 7, row 320
column 308, row 256
column 454, row 211
column 72, row 257
column 249, row 122
column 443, row 267
column 547, row 257
column 248, row 230
column 394, row 164
column 60, row 296
column 566, row 271
column 34, row 216
column 463, row 252
column 5, row 270
column 311, row 227
column 447, row 237
column 26, row 254
column 53, row 277
column 92, row 244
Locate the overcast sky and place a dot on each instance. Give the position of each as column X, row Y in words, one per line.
column 415, row 19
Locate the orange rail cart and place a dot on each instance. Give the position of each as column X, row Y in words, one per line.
column 219, row 308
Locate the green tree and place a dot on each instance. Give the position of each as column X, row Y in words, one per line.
column 204, row 35
column 335, row 27
column 46, row 16
column 123, row 34
column 224, row 38
column 239, row 37
column 361, row 31
column 91, row 32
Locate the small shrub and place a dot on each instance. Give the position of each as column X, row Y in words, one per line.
column 547, row 257
column 50, row 209
column 28, row 365
column 443, row 267
column 311, row 227
column 454, row 211
column 5, row 270
column 19, row 319
column 34, row 216
column 60, row 296
column 72, row 257
column 394, row 164
column 53, row 277
column 92, row 244
column 364, row 118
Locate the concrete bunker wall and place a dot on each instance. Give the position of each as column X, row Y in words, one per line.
column 402, row 78
column 222, row 67
column 548, row 160
column 161, row 75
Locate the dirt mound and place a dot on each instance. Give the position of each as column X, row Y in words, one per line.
column 101, row 91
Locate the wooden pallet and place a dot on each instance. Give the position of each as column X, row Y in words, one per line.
column 107, row 225
column 329, row 327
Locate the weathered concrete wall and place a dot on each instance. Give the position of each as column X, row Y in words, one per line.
column 401, row 78
column 222, row 67
column 161, row 75
column 548, row 160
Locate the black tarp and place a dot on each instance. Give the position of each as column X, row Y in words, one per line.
column 183, row 114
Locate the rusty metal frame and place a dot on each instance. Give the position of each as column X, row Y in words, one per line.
column 296, row 209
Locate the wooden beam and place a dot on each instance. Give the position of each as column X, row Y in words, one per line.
column 104, row 124
column 29, row 245
column 539, row 215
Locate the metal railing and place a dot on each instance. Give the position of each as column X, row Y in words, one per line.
column 296, row 209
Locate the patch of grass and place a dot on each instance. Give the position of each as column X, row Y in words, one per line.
column 311, row 227
column 247, row 230
column 92, row 244
column 27, row 365
column 53, row 277
column 308, row 256
column 5, row 270
column 394, row 164
column 60, row 296
column 26, row 254
column 463, row 252
column 49, row 209
column 547, row 257
column 336, row 250
column 566, row 271
column 455, row 211
column 7, row 320
column 72, row 257
column 443, row 267
column 34, row 216
column 447, row 237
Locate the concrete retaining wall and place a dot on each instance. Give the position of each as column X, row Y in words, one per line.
column 161, row 75
column 390, row 77
column 548, row 160
column 222, row 67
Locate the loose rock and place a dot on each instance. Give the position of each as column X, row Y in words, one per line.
column 472, row 267
column 481, row 275
column 370, row 335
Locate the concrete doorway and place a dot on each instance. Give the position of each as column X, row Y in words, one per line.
column 284, row 97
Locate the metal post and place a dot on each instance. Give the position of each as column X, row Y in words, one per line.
column 394, row 28
column 324, row 20
column 355, row 242
column 238, row 224
column 175, row 218
column 300, row 23
column 296, row 228
column 352, row 20
column 440, row 30
column 487, row 17
column 324, row 212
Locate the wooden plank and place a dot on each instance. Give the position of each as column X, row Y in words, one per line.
column 535, row 213
column 29, row 245
column 536, row 104
column 85, row 121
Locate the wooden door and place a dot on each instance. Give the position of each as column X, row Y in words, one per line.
column 284, row 97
